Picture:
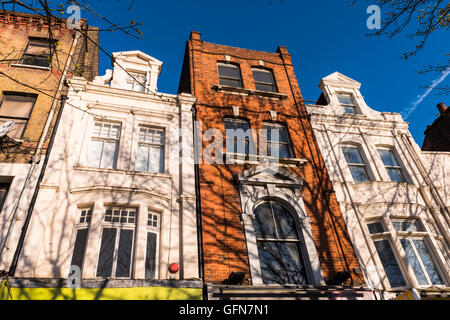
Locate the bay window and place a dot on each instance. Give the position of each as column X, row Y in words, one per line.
column 117, row 242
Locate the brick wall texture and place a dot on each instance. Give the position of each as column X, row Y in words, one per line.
column 224, row 245
column 15, row 31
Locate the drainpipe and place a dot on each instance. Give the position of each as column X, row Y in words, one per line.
column 38, row 153
column 198, row 206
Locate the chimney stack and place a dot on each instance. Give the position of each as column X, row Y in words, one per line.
column 442, row 108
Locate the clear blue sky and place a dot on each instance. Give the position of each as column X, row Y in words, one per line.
column 322, row 36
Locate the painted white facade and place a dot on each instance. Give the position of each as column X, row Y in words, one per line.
column 423, row 196
column 72, row 184
column 22, row 179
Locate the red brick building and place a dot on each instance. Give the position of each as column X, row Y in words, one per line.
column 437, row 135
column 278, row 222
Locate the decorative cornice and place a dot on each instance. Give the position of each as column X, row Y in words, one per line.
column 119, row 190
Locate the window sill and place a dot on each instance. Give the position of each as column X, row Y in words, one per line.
column 149, row 174
column 18, row 65
column 354, row 115
column 94, row 169
column 127, row 172
column 240, row 158
column 249, row 92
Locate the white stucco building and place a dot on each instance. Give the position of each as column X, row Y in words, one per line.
column 118, row 196
column 394, row 197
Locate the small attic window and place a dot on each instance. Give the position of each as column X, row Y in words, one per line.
column 136, row 81
column 347, row 103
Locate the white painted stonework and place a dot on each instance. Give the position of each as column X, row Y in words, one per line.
column 424, row 197
column 71, row 184
column 22, row 179
column 270, row 181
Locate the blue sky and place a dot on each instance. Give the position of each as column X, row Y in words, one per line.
column 322, row 36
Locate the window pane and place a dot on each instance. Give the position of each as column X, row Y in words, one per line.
column 388, row 158
column 427, row 262
column 345, row 99
column 230, row 82
column 359, row 173
column 79, row 249
column 349, row 110
column 395, row 175
column 229, row 71
column 263, row 76
column 142, row 158
column 124, row 254
column 279, row 150
column 276, row 134
column 229, row 75
column 238, row 135
column 265, row 87
column 17, row 106
column 18, row 128
column 95, row 153
column 38, row 47
column 352, row 155
column 285, row 222
column 4, row 188
column 409, row 226
column 376, row 227
column 390, row 264
column 264, row 223
column 105, row 259
column 109, row 155
column 414, row 262
column 150, row 261
column 156, row 160
column 280, row 263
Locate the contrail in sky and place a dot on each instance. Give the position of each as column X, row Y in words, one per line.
column 407, row 112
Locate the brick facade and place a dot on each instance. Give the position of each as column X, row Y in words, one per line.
column 437, row 135
column 224, row 240
column 15, row 31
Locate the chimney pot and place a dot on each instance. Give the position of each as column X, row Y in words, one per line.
column 442, row 108
column 195, row 35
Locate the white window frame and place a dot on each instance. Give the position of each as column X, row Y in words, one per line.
column 386, row 235
column 80, row 226
column 251, row 195
column 393, row 236
column 353, row 106
column 142, row 81
column 264, row 70
column 362, row 165
column 98, row 138
column 399, row 166
column 118, row 226
column 150, row 145
column 157, row 231
column 233, row 65
column 288, row 143
column 248, row 139
column 419, row 235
